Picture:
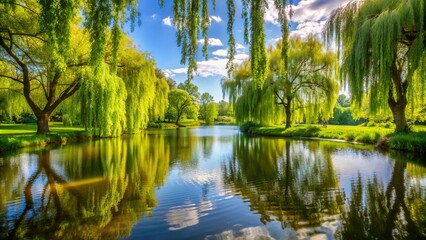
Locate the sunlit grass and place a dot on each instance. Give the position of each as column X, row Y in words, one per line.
column 14, row 136
column 9, row 129
column 413, row 141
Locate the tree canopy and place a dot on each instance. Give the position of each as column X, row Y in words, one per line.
column 180, row 103
column 307, row 90
column 382, row 47
column 47, row 58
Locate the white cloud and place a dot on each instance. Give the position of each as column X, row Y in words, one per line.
column 315, row 10
column 211, row 67
column 212, row 42
column 271, row 13
column 217, row 19
column 220, row 53
column 154, row 16
column 309, row 27
column 239, row 46
column 309, row 15
column 168, row 21
column 174, row 72
column 239, row 58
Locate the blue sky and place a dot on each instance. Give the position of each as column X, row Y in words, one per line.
column 157, row 36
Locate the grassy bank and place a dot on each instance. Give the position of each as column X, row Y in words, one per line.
column 383, row 137
column 14, row 136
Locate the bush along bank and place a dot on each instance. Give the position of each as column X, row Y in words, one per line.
column 382, row 137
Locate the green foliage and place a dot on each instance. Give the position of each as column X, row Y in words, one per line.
column 140, row 81
column 249, row 127
column 190, row 88
column 103, row 99
column 382, row 45
column 225, row 108
column 180, row 102
column 161, row 100
column 14, row 136
column 212, row 112
column 308, row 90
column 343, row 116
column 204, row 102
column 414, row 141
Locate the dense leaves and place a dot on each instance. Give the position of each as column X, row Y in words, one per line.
column 307, row 91
column 182, row 103
column 382, row 47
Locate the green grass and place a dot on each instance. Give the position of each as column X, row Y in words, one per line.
column 14, row 136
column 414, row 141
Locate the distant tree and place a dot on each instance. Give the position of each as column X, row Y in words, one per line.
column 223, row 108
column 343, row 101
column 171, row 83
column 204, row 101
column 180, row 102
column 212, row 112
column 191, row 88
column 306, row 90
column 382, row 45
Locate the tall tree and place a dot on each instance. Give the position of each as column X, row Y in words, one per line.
column 204, row 101
column 382, row 45
column 46, row 77
column 307, row 90
column 212, row 112
column 191, row 88
column 180, row 102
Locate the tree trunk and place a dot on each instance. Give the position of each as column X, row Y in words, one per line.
column 287, row 108
column 398, row 112
column 398, row 102
column 398, row 106
column 43, row 123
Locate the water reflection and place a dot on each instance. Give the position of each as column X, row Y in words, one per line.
column 293, row 183
column 211, row 183
column 98, row 190
column 395, row 212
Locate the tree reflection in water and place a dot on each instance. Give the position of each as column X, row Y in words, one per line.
column 95, row 191
column 101, row 189
column 285, row 181
column 294, row 182
column 393, row 212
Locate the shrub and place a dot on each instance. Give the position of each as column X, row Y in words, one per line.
column 387, row 124
column 249, row 127
column 27, row 117
column 414, row 141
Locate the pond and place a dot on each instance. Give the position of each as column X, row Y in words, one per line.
column 211, row 183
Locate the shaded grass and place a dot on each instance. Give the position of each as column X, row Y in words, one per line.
column 188, row 123
column 14, row 136
column 413, row 141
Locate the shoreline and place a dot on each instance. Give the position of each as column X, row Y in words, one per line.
column 378, row 137
column 382, row 138
column 18, row 141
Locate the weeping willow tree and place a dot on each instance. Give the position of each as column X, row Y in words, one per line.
column 161, row 99
column 192, row 16
column 103, row 98
column 382, row 45
column 307, row 90
column 144, row 88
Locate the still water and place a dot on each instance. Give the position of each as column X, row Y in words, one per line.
column 211, row 183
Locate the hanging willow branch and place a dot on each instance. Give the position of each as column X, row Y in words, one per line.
column 381, row 44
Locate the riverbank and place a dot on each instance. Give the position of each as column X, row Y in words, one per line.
column 15, row 136
column 414, row 141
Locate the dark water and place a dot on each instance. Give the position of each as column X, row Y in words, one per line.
column 211, row 183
